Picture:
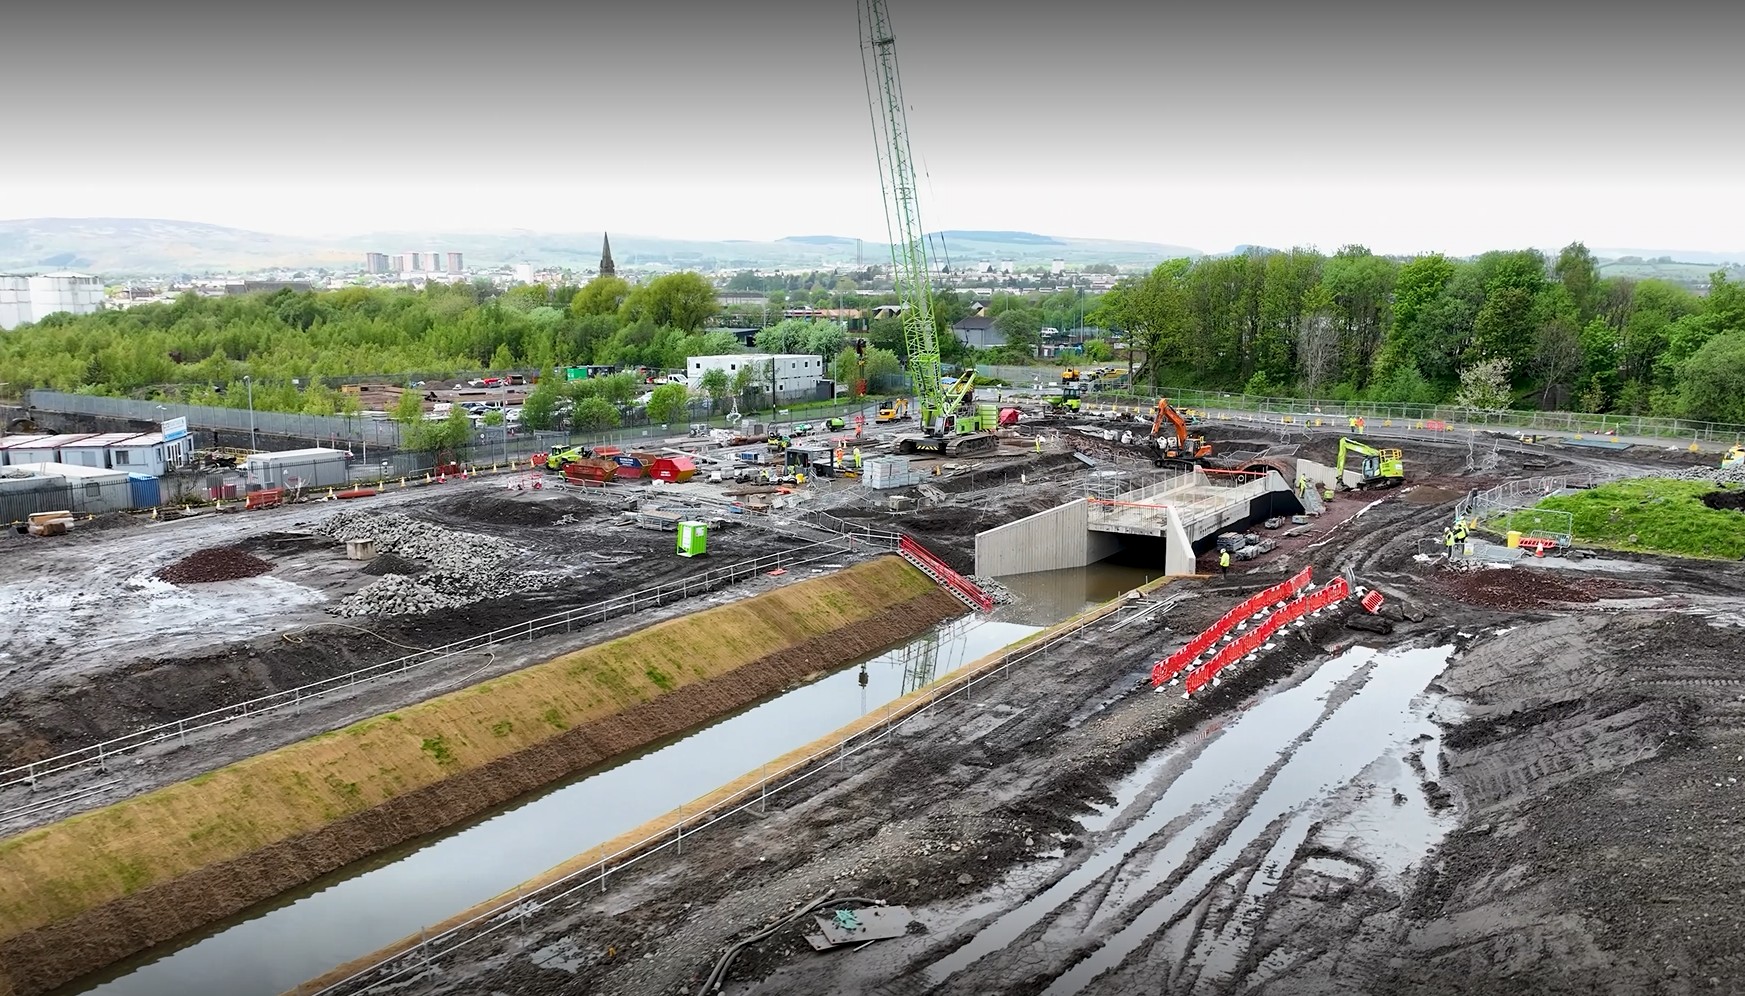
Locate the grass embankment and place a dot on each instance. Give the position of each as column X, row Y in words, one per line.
column 1654, row 515
column 736, row 791
column 86, row 861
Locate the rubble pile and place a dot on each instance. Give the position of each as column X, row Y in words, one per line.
column 1246, row 546
column 461, row 568
column 1001, row 594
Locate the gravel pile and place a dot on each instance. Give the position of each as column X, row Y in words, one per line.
column 454, row 568
column 1719, row 475
column 220, row 564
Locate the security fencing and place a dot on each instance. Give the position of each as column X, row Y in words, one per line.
column 1434, row 417
column 20, row 498
column 374, row 432
column 873, row 730
column 101, row 754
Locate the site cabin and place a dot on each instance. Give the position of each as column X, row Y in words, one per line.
column 310, row 468
column 131, row 452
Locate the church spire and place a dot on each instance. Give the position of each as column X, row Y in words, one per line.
column 607, row 268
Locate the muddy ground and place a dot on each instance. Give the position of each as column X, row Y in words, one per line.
column 123, row 651
column 1535, row 788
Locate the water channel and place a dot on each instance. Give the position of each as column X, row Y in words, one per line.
column 365, row 906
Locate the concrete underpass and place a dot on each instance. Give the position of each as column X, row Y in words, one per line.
column 1167, row 523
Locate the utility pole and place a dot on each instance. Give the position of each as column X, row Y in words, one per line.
column 248, row 381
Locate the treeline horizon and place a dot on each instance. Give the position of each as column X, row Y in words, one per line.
column 1533, row 331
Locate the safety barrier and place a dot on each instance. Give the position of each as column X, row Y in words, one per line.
column 1179, row 661
column 1333, row 592
column 952, row 581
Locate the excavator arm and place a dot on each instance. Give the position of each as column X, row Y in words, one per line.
column 1187, row 447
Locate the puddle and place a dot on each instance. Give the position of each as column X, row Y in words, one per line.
column 370, row 904
column 1292, row 757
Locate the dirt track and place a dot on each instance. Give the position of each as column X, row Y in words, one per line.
column 1542, row 797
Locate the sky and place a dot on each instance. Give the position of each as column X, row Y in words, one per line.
column 1404, row 127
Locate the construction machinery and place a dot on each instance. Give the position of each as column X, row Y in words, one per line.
column 1071, row 391
column 1179, row 448
column 942, row 431
column 1377, row 468
column 893, row 410
column 563, row 456
column 1735, row 458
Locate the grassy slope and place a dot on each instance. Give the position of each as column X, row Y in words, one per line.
column 82, row 862
column 1664, row 516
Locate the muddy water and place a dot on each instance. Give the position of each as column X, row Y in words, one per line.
column 1046, row 597
column 369, row 905
column 1330, row 749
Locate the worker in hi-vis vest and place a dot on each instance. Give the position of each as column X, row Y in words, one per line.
column 1224, row 562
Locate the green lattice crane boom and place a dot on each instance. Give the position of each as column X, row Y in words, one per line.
column 910, row 271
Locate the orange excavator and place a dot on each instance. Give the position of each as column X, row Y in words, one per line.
column 1182, row 449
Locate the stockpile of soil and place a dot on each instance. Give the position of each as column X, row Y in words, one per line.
column 1520, row 588
column 383, row 564
column 225, row 563
column 1733, row 498
column 510, row 511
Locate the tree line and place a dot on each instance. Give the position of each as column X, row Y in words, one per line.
column 1507, row 328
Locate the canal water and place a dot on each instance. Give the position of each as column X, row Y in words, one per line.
column 365, row 906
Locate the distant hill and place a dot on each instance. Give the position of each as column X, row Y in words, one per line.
column 130, row 246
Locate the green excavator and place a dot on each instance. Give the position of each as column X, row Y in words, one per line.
column 1378, row 468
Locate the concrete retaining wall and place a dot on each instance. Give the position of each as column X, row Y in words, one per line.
column 1047, row 541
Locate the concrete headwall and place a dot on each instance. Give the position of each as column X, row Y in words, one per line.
column 1047, row 541
column 1323, row 476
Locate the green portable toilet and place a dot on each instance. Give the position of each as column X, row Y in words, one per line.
column 693, row 538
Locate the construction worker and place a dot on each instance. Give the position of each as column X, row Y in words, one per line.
column 1460, row 533
column 857, row 458
column 1448, row 544
column 1302, row 486
column 1224, row 562
column 1327, row 493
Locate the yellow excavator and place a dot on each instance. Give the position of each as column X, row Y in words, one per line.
column 1180, row 450
column 1735, row 458
column 1379, row 468
column 893, row 410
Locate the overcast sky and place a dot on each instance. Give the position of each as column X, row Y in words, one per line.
column 1458, row 128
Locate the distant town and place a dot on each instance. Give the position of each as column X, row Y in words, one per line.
column 31, row 297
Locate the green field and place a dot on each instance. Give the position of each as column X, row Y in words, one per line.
column 1653, row 515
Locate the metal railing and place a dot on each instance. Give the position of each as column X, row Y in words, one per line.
column 596, row 874
column 100, row 754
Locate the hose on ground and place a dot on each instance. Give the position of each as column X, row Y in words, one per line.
column 719, row 974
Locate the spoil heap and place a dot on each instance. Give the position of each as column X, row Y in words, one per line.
column 1522, row 588
column 219, row 564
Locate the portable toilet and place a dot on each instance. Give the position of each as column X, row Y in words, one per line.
column 142, row 491
column 693, row 538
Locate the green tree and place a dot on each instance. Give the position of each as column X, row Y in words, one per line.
column 502, row 359
column 494, row 418
column 595, row 415
column 677, row 300
column 1098, row 351
column 538, row 412
column 600, row 296
column 409, row 410
column 1712, row 381
column 1021, row 328
column 1484, row 386
column 669, row 403
column 716, row 384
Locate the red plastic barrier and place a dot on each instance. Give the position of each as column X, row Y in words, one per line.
column 981, row 598
column 1166, row 669
column 1335, row 591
